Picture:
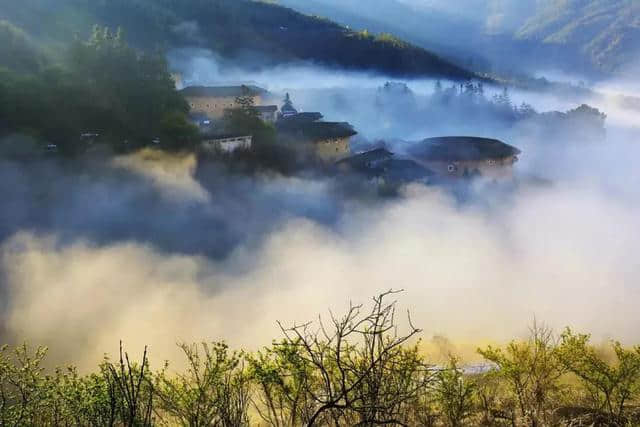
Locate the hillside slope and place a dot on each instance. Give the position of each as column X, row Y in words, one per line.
column 604, row 32
column 448, row 35
column 593, row 38
column 245, row 28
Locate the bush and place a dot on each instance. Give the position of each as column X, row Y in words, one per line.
column 355, row 369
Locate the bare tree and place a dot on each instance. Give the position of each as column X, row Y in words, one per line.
column 360, row 373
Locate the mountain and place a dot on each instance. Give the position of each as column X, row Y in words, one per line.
column 255, row 31
column 452, row 36
column 604, row 33
column 594, row 38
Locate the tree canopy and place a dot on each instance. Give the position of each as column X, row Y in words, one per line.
column 103, row 87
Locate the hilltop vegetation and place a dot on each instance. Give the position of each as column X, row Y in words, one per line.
column 605, row 32
column 256, row 31
column 355, row 369
column 101, row 87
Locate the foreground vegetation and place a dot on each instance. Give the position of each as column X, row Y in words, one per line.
column 357, row 369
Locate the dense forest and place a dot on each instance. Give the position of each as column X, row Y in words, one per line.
column 255, row 31
column 102, row 88
column 354, row 369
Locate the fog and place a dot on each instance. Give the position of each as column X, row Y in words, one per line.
column 155, row 248
column 378, row 114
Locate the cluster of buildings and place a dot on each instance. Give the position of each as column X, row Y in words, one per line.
column 304, row 132
column 213, row 101
column 441, row 158
column 328, row 143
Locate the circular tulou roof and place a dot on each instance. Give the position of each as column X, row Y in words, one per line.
column 462, row 148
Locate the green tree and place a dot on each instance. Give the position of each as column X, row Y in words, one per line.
column 130, row 389
column 213, row 392
column 532, row 369
column 22, row 386
column 609, row 385
column 285, row 383
column 178, row 131
column 454, row 393
column 246, row 120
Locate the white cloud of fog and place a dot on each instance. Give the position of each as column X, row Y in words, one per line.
column 350, row 96
column 188, row 30
column 566, row 254
column 203, row 67
column 171, row 173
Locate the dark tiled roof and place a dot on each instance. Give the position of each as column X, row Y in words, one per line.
column 221, row 91
column 462, row 148
column 362, row 159
column 380, row 163
column 404, row 170
column 299, row 118
column 266, row 108
column 319, row 131
column 287, row 108
column 213, row 135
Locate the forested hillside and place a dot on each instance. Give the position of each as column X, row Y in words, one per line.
column 590, row 37
column 604, row 32
column 256, row 30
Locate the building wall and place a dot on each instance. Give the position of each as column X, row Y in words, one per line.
column 332, row 150
column 490, row 168
column 214, row 107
